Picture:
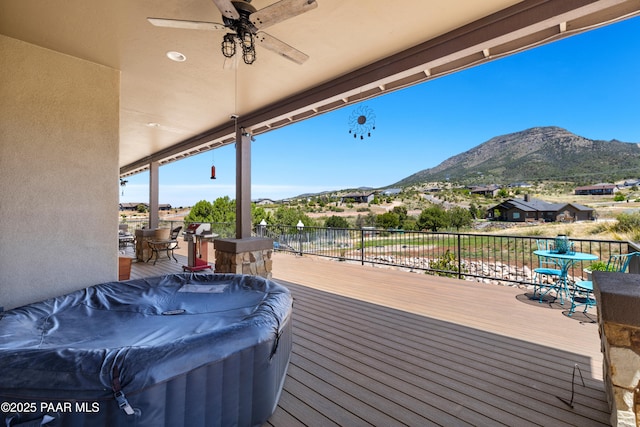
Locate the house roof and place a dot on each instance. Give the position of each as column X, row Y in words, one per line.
column 357, row 50
column 484, row 188
column 537, row 205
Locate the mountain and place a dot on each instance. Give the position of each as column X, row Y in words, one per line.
column 541, row 153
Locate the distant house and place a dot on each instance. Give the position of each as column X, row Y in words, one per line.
column 528, row 209
column 596, row 190
column 265, row 202
column 164, row 207
column 520, row 185
column 486, row 190
column 357, row 197
column 131, row 206
column 431, row 190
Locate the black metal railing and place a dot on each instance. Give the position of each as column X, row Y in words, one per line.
column 483, row 257
column 462, row 255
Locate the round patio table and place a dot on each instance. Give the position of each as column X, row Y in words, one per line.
column 565, row 261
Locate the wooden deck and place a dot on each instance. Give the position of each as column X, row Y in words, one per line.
column 381, row 347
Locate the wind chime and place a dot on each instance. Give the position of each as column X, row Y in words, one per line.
column 362, row 121
column 123, row 183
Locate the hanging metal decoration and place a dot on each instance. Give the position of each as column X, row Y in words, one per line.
column 362, row 121
column 123, row 183
column 213, row 162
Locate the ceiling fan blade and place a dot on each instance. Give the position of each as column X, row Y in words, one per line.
column 279, row 11
column 281, row 48
column 188, row 25
column 227, row 9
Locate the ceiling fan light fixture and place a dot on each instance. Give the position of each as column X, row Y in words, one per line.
column 249, row 56
column 246, row 38
column 176, row 56
column 228, row 45
column 248, row 48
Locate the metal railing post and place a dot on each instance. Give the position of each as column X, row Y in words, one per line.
column 459, row 257
column 361, row 246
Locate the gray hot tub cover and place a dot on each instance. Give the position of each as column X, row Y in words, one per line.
column 148, row 330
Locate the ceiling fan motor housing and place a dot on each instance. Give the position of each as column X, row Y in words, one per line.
column 238, row 25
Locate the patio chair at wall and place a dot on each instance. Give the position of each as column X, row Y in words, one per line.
column 583, row 290
column 547, row 268
column 175, row 233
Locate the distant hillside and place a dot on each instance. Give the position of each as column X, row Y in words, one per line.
column 542, row 153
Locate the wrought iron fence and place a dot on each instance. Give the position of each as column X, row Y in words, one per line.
column 471, row 256
column 481, row 257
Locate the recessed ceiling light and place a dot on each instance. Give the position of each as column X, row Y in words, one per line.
column 176, row 56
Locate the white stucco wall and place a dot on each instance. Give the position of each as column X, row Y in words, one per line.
column 58, row 173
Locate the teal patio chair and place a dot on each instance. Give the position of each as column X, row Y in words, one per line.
column 547, row 267
column 583, row 290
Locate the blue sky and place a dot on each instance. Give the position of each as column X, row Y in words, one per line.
column 588, row 84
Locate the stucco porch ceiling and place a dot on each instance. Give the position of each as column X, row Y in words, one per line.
column 357, row 49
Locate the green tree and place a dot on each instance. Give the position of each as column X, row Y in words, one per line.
column 335, row 221
column 290, row 216
column 503, row 193
column 141, row 208
column 402, row 213
column 433, row 218
column 200, row 212
column 258, row 213
column 473, row 210
column 388, row 220
column 410, row 224
column 223, row 210
column 366, row 221
column 459, row 217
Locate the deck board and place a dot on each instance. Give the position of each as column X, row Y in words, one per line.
column 375, row 346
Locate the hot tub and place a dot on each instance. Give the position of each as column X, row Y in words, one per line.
column 178, row 350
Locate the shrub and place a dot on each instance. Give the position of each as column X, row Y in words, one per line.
column 388, row 220
column 335, row 221
column 627, row 222
column 447, row 263
column 599, row 266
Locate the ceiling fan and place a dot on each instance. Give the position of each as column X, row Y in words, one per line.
column 245, row 24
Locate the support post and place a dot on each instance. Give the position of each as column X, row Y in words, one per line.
column 243, row 183
column 244, row 254
column 154, row 192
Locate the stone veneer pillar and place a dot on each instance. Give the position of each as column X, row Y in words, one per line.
column 618, row 302
column 244, row 256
